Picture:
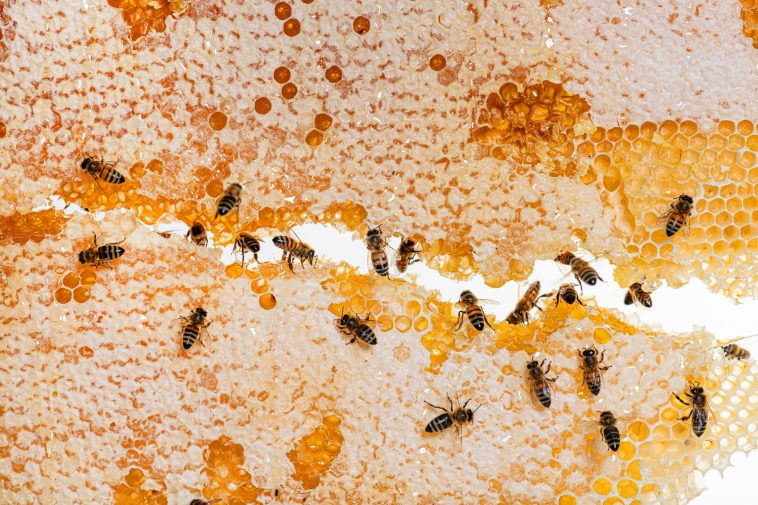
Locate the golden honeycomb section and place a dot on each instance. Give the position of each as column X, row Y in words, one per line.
column 131, row 491
column 20, row 228
column 749, row 17
column 227, row 479
column 641, row 168
column 144, row 16
column 533, row 124
column 313, row 454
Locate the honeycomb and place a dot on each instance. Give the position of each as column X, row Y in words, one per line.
column 491, row 133
column 749, row 17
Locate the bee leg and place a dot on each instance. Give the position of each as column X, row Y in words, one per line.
column 435, row 406
column 486, row 321
column 685, row 417
column 459, row 323
column 602, row 356
column 678, row 398
column 451, row 402
column 548, row 366
column 96, row 182
column 604, row 368
column 579, row 300
column 243, row 258
column 351, row 341
column 581, row 287
column 557, row 297
column 289, row 262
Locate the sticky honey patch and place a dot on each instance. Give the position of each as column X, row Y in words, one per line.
column 314, row 453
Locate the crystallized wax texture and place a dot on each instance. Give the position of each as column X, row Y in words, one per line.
column 492, row 133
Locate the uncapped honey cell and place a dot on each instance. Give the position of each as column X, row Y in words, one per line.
column 71, row 280
column 282, row 10
column 262, row 105
column 267, row 301
column 291, row 27
column 282, row 75
column 333, row 74
column 322, row 122
column 3, row 130
column 289, row 91
column 437, row 62
column 63, row 295
column 314, row 138
column 81, row 294
column 217, row 120
column 361, row 25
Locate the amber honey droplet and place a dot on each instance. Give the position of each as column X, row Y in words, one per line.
column 314, row 138
column 217, row 120
column 155, row 166
column 322, row 122
column 333, row 74
column 214, row 188
column 71, row 280
column 3, row 130
column 282, row 10
column 63, row 295
column 307, row 1
column 361, row 25
column 81, row 294
column 291, row 27
column 262, row 105
column 267, row 301
column 282, row 74
column 86, row 352
column 88, row 277
column 289, row 91
column 437, row 62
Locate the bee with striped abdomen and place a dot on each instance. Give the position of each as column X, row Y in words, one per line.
column 472, row 310
column 580, row 268
column 678, row 214
column 230, row 199
column 593, row 372
column 197, row 234
column 700, row 408
column 407, row 254
column 247, row 242
column 357, row 328
column 568, row 294
column 733, row 351
column 540, row 384
column 527, row 302
column 196, row 324
column 100, row 255
column 635, row 293
column 376, row 245
column 102, row 170
column 455, row 416
column 609, row 431
column 200, row 501
column 294, row 248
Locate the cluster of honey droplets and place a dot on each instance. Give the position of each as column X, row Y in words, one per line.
column 142, row 16
column 749, row 17
column 314, row 453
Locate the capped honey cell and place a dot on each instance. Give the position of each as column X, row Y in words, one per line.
column 281, row 75
column 437, row 62
column 282, row 10
column 361, row 25
column 291, row 27
column 262, row 105
column 333, row 74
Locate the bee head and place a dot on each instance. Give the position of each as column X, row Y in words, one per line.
column 532, row 365
column 201, row 311
column 81, row 257
column 607, row 418
column 344, row 320
column 697, row 390
column 687, row 198
column 410, row 243
column 589, row 352
column 467, row 297
column 86, row 162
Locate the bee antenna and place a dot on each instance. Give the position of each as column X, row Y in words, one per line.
column 477, row 408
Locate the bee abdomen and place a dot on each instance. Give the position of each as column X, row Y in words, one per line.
column 439, row 423
column 226, row 204
column 366, row 334
column 476, row 317
column 282, row 242
column 112, row 176
column 586, row 273
column 612, row 437
column 189, row 335
column 380, row 262
column 699, row 421
column 593, row 384
column 673, row 224
column 109, row 252
column 543, row 395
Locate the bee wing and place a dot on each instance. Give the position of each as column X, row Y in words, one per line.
column 488, row 301
column 663, row 216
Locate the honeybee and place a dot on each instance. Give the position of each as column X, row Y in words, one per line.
column 103, row 170
column 635, row 293
column 294, row 248
column 527, row 302
column 200, row 501
column 100, row 255
column 540, row 384
column 407, row 254
column 247, row 242
column 198, row 234
column 376, row 245
column 194, row 327
column 230, row 199
column 580, row 268
column 733, row 351
column 455, row 416
column 593, row 376
column 678, row 214
column 568, row 294
column 609, row 431
column 357, row 328
column 700, row 408
column 473, row 310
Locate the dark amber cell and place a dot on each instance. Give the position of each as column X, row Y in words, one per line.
column 314, row 138
column 267, row 301
column 217, row 120
column 262, row 105
column 3, row 130
column 282, row 10
column 437, row 62
column 333, row 74
column 282, row 75
column 71, row 280
column 322, row 122
column 81, row 294
column 63, row 295
column 291, row 27
column 307, row 1
column 289, row 91
column 361, row 25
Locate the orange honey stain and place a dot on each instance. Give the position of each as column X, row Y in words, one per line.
column 749, row 17
column 313, row 454
column 217, row 120
column 144, row 16
column 130, row 492
column 226, row 477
